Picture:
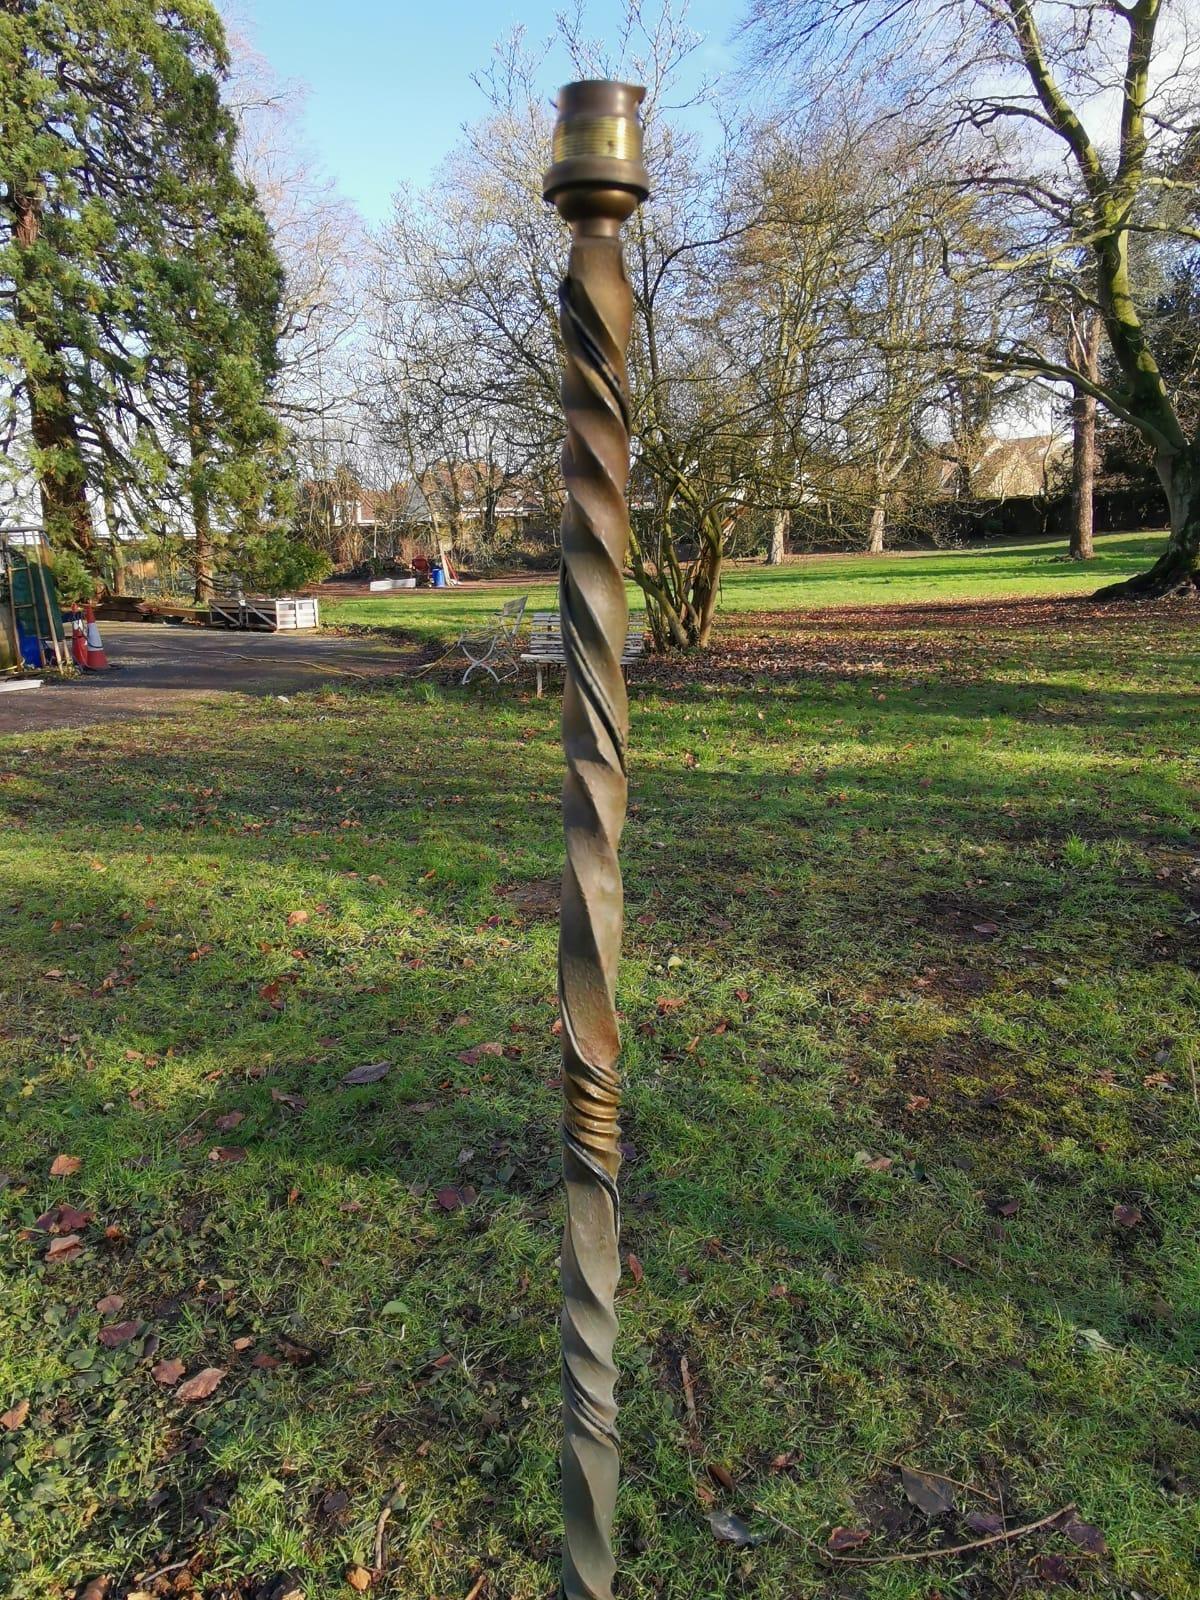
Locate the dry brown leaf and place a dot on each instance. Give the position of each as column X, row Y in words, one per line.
column 636, row 1271
column 229, row 1120
column 369, row 1072
column 202, row 1385
column 358, row 1578
column 846, row 1539
column 110, row 1304
column 13, row 1418
column 117, row 1334
column 65, row 1166
column 64, row 1248
column 295, row 918
column 167, row 1372
column 227, row 1152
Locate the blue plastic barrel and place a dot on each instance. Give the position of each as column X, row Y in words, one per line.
column 437, row 576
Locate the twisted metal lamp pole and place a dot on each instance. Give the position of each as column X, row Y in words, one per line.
column 597, row 181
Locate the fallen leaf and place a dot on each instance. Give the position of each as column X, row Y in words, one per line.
column 636, row 1271
column 244, row 1343
column 1095, row 1340
column 272, row 994
column 451, row 1198
column 369, row 1072
column 13, row 1418
column 985, row 1522
column 358, row 1578
column 846, row 1539
column 64, row 1248
column 743, row 995
column 229, row 1121
column 917, row 1102
column 928, row 1492
column 297, row 1353
column 227, row 1152
column 730, row 1529
column 167, row 1372
column 669, row 1003
column 294, row 1102
column 986, row 928
column 1126, row 1216
column 295, row 918
column 781, row 1462
column 65, row 1166
column 117, row 1334
column 1085, row 1537
column 110, row 1304
column 471, row 1057
column 201, row 1386
column 870, row 1163
column 1052, row 1569
column 721, row 1475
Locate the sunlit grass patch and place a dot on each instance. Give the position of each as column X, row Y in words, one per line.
column 910, row 1005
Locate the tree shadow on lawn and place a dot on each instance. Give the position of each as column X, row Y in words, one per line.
column 746, row 1171
column 844, row 905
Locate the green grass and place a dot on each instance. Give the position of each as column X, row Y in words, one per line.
column 994, row 572
column 936, row 900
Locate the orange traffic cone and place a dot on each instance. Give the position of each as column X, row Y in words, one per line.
column 79, row 648
column 97, row 661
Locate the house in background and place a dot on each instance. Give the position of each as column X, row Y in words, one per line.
column 465, row 508
column 1032, row 468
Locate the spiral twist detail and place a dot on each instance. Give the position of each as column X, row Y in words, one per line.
column 595, row 312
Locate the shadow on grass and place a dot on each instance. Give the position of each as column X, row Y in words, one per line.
column 820, row 870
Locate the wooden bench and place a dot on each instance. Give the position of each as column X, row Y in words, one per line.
column 546, row 646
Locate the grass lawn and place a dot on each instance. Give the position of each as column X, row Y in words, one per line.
column 913, row 1178
column 999, row 572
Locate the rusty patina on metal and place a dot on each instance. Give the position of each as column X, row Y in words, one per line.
column 597, row 181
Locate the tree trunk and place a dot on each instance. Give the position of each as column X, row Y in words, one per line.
column 116, row 552
column 1178, row 568
column 878, row 524
column 202, row 548
column 781, row 522
column 1085, row 354
column 705, row 589
column 61, row 474
column 59, row 464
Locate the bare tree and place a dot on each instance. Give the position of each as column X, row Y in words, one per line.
column 1084, row 353
column 1077, row 119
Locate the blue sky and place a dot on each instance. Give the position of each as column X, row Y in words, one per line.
column 389, row 85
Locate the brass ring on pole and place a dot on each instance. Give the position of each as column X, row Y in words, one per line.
column 596, row 182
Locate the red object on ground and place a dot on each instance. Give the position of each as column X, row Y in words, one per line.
column 79, row 648
column 97, row 661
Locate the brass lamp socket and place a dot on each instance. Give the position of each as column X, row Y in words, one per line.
column 597, row 146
